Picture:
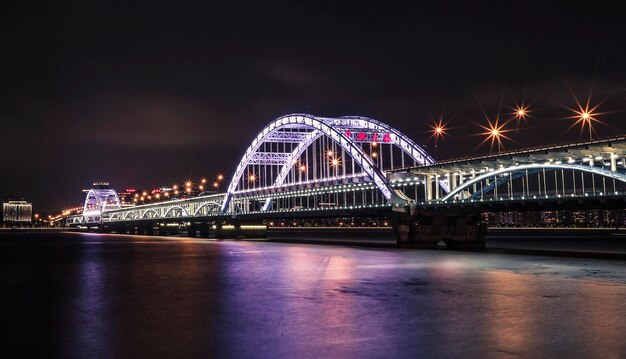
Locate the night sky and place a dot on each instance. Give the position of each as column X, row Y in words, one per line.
column 149, row 94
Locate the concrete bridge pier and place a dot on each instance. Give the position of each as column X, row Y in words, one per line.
column 442, row 230
column 227, row 230
column 199, row 229
column 169, row 230
column 238, row 229
column 193, row 229
column 205, row 229
column 146, row 229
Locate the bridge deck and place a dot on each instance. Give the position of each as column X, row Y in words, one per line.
column 597, row 150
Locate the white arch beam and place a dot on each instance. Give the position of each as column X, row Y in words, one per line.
column 154, row 214
column 297, row 152
column 594, row 170
column 96, row 202
column 324, row 127
column 403, row 142
column 206, row 205
column 182, row 210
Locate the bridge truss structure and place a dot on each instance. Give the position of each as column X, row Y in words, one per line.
column 99, row 200
column 301, row 164
column 593, row 169
column 306, row 162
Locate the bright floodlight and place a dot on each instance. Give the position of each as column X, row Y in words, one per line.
column 585, row 115
column 494, row 133
column 438, row 131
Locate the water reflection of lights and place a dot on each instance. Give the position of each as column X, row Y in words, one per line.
column 513, row 311
column 92, row 329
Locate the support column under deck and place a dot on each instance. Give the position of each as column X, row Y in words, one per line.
column 442, row 230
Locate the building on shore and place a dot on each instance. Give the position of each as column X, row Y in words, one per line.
column 17, row 212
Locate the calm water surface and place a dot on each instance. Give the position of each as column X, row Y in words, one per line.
column 115, row 296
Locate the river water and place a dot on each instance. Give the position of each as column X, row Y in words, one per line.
column 115, row 296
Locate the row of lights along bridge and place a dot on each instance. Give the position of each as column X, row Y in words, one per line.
column 187, row 189
column 584, row 116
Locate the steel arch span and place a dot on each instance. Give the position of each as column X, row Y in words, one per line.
column 520, row 169
column 99, row 200
column 302, row 149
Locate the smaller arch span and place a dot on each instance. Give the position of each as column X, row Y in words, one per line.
column 147, row 213
column 183, row 211
column 116, row 216
column 553, row 166
column 98, row 200
column 207, row 205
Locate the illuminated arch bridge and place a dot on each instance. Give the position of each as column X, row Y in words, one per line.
column 98, row 200
column 302, row 162
column 319, row 165
column 332, row 162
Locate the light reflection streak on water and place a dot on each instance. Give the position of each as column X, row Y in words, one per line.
column 603, row 303
column 92, row 329
column 513, row 309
